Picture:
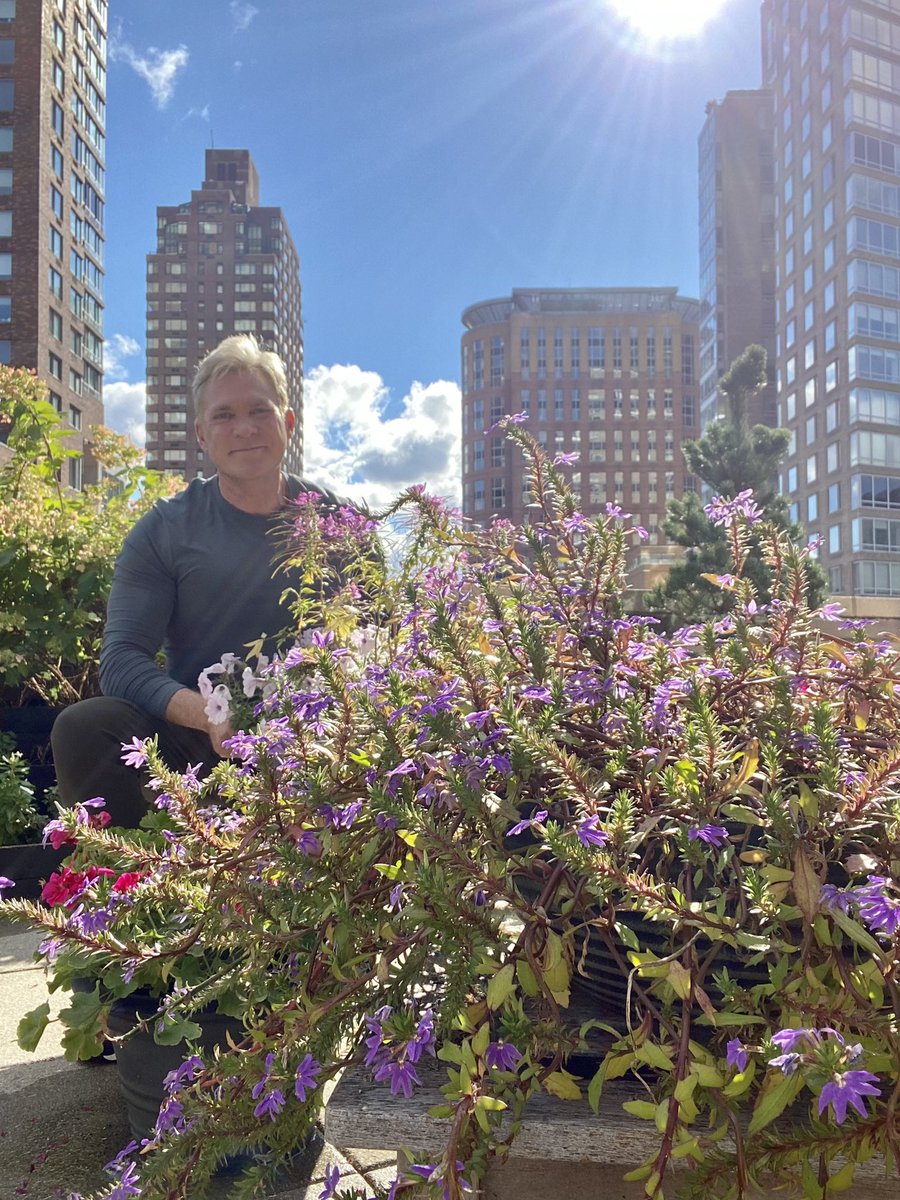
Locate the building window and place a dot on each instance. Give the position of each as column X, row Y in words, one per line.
column 834, row 539
column 56, row 118
column 7, row 51
column 56, row 325
column 5, row 309
column 6, row 181
column 56, row 242
column 7, row 10
column 74, row 416
column 478, row 493
column 76, row 473
column 56, row 162
column 55, row 365
column 7, row 95
column 834, row 498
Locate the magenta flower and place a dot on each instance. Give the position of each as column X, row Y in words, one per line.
column 846, row 1089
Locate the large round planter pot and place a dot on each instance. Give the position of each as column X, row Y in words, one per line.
column 30, row 725
column 29, row 866
column 143, row 1065
column 601, row 972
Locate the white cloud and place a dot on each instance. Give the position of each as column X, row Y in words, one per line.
column 158, row 67
column 116, row 348
column 241, row 15
column 353, row 448
column 124, row 409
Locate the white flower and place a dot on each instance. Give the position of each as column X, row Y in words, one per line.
column 228, row 663
column 204, row 683
column 250, row 682
column 218, row 707
column 362, row 639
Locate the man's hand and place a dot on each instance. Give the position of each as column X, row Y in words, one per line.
column 189, row 709
column 218, row 734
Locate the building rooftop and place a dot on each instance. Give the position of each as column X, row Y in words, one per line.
column 580, row 300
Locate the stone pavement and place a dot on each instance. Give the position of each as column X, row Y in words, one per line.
column 61, row 1121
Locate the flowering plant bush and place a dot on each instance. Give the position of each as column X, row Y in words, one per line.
column 58, row 546
column 419, row 852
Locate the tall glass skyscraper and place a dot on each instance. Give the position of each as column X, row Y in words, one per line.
column 833, row 67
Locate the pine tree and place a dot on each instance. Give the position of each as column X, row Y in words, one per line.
column 731, row 457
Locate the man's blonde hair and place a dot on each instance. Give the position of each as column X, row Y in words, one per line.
column 240, row 352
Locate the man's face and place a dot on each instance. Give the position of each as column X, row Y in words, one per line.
column 241, row 427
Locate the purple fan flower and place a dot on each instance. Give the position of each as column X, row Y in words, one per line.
column 270, row 1105
column 830, row 612
column 396, row 896
column 127, row 1185
column 175, row 1080
column 401, row 1075
column 332, row 1179
column 641, row 532
column 537, row 693
column 713, row 835
column 787, row 1039
column 306, row 1076
column 171, row 1117
column 615, row 510
column 787, row 1063
column 520, row 826
column 725, row 512
column 835, row 897
column 502, row 1056
column 736, row 1054
column 5, row 883
column 575, row 523
column 135, row 754
column 115, row 1166
column 565, row 459
column 589, row 835
column 848, row 1088
column 878, row 908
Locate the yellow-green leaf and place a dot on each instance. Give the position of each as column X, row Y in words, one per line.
column 563, row 1085
column 527, row 978
column 807, row 885
column 501, row 987
column 640, row 1108
column 708, row 1076
column 491, row 1103
column 654, row 1056
column 778, row 1092
column 680, row 979
column 842, row 1179
column 481, row 1039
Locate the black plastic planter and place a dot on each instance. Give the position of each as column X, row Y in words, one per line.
column 29, row 866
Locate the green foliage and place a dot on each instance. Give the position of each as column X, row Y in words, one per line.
column 730, row 458
column 18, row 814
column 57, row 546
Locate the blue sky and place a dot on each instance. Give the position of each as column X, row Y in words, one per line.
column 427, row 154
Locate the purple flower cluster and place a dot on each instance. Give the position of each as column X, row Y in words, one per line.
column 393, row 1056
column 724, row 512
column 877, row 903
column 826, row 1051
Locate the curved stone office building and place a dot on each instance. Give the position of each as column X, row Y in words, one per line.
column 607, row 373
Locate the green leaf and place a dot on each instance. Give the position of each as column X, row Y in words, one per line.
column 501, row 986
column 563, row 1085
column 491, row 1103
column 595, row 1089
column 171, row 1032
column 842, row 1179
column 31, row 1028
column 80, row 1043
column 83, row 1011
column 640, row 1108
column 778, row 1092
column 856, row 932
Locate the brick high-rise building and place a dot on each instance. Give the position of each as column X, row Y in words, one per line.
column 609, row 373
column 52, row 156
column 737, row 244
column 223, row 264
column 833, row 68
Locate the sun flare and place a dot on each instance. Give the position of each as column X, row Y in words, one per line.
column 666, row 20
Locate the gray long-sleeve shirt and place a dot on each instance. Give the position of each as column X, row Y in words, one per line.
column 195, row 577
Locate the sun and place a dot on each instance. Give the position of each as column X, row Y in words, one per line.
column 665, row 20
